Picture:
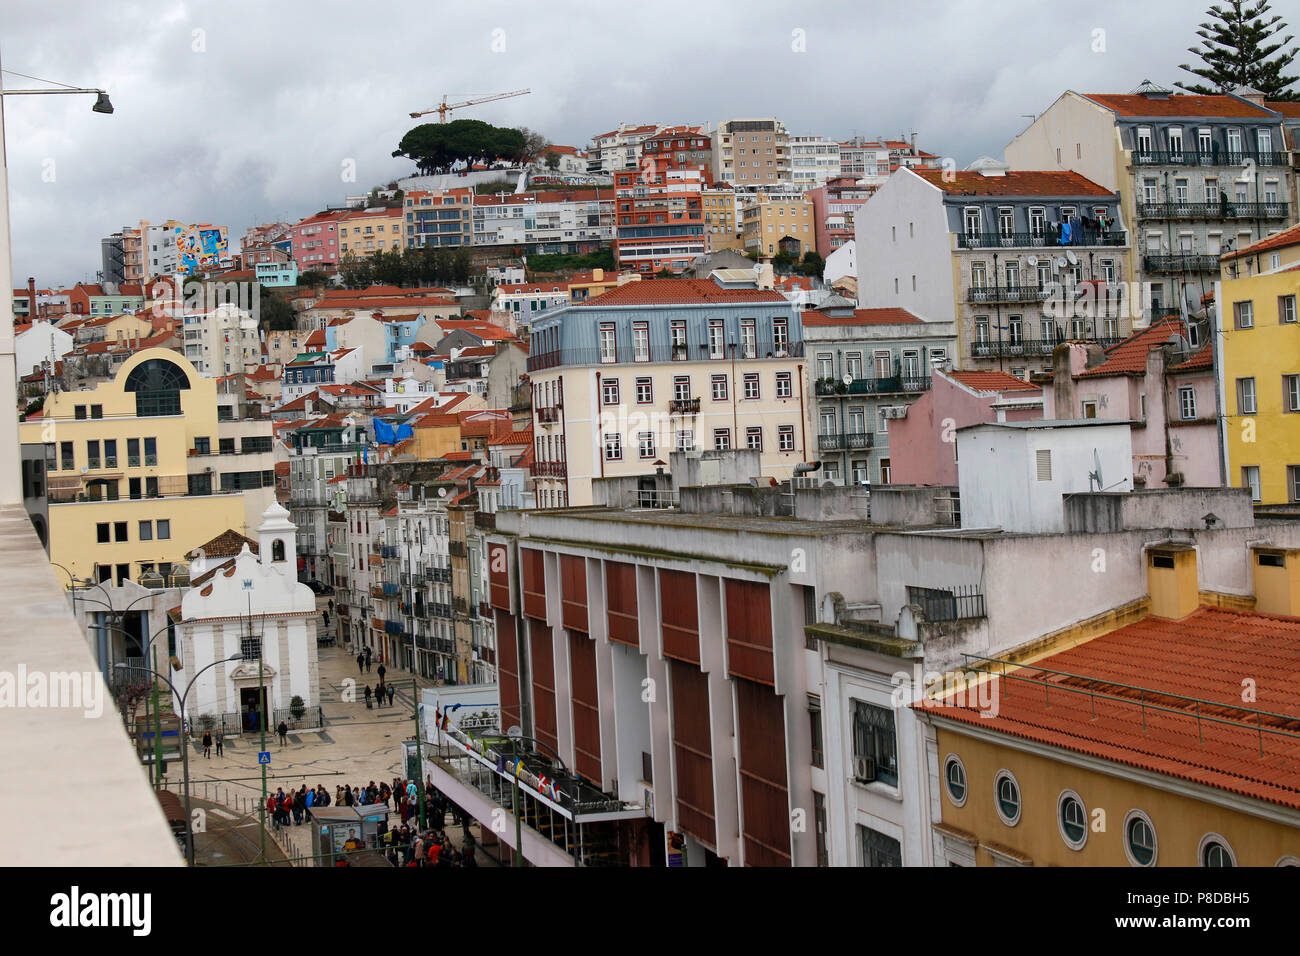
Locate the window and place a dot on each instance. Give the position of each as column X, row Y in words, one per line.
column 1286, row 310
column 1043, row 463
column 92, row 454
column 608, row 343
column 79, row 412
column 250, row 648
column 878, row 849
column 750, row 385
column 719, row 387
column 151, row 451
column 66, row 459
column 1007, row 797
column 1072, row 818
column 678, row 332
column 1293, row 482
column 120, row 531
column 819, row 824
column 641, row 341
column 785, row 437
column 146, row 530
column 1243, row 314
column 748, row 339
column 781, row 335
column 815, row 726
column 645, row 392
column 853, row 365
column 609, row 391
column 875, row 747
column 784, row 386
column 721, row 439
column 1291, row 393
column 1140, row 839
column 1187, row 403
column 1090, row 409
column 1245, row 396
column 1250, row 479
column 164, row 530
column 754, row 437
column 954, row 780
column 717, row 339
column 646, row 444
column 613, row 447
column 1215, row 851
column 96, row 411
column 686, row 440
column 102, row 533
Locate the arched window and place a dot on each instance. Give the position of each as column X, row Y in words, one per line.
column 157, row 384
column 277, row 550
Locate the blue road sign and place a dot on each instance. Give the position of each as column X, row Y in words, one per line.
column 264, row 756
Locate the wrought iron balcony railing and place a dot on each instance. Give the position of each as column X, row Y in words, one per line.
column 1176, row 209
column 1192, row 157
column 1044, row 239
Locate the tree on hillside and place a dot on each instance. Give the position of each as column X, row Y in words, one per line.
column 1236, row 50
column 439, row 147
column 275, row 313
column 534, row 144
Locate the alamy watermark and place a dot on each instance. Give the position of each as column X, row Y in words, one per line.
column 70, row 690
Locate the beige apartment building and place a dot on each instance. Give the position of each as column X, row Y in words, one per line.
column 778, row 222
column 749, row 151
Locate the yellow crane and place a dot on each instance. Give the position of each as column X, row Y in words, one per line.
column 443, row 108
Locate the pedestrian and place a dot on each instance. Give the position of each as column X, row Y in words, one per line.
column 309, row 801
column 368, row 656
column 283, row 731
column 220, row 742
column 367, row 697
column 390, row 704
column 469, row 857
column 299, row 806
column 348, row 799
column 326, row 616
column 379, row 693
column 207, row 744
column 361, row 663
column 331, row 604
column 381, row 672
column 273, row 808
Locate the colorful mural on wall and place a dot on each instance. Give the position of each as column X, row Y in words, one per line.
column 200, row 247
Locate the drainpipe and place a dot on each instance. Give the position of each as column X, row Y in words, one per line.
column 803, row 428
column 600, row 440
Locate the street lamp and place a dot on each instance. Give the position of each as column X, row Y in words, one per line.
column 154, row 775
column 185, row 743
column 10, row 482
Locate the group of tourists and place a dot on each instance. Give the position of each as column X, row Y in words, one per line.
column 295, row 806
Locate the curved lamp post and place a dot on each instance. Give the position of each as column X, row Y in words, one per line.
column 185, row 743
column 154, row 776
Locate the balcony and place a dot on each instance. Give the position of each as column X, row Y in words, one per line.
column 440, row 610
column 440, row 575
column 845, row 441
column 661, row 352
column 548, row 415
column 1017, row 347
column 1181, row 263
column 1040, row 240
column 388, row 550
column 684, row 406
column 1007, row 293
column 394, row 627
column 459, row 606
column 390, row 590
column 1212, row 210
column 948, row 604
column 1190, row 157
column 485, row 520
column 551, row 469
column 893, row 385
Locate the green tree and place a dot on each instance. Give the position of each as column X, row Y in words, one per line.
column 356, row 273
column 275, row 313
column 313, row 278
column 552, row 159
column 812, row 264
column 1238, row 48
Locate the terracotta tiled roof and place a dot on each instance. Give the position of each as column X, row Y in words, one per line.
column 993, row 382
column 1196, row 657
column 225, row 545
column 1014, row 183
column 678, row 291
column 1202, row 359
column 1287, row 237
column 1289, row 110
column 1182, row 104
column 1129, row 357
column 395, row 302
column 883, row 316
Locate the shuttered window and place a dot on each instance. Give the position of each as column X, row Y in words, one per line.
column 508, row 668
column 1043, row 459
column 531, row 563
column 764, row 794
column 679, row 610
column 586, row 711
column 620, row 602
column 693, row 751
column 542, row 661
column 749, row 630
column 573, row 591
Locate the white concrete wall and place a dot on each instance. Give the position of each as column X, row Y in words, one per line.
column 902, row 231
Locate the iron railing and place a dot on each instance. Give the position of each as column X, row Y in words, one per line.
column 1010, row 348
column 961, row 602
column 684, row 406
column 1176, row 209
column 1181, row 263
column 1008, row 293
column 873, row 386
column 627, row 354
column 1033, row 240
column 841, row 440
column 1192, row 157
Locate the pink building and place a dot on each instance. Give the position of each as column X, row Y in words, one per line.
column 924, row 443
column 1160, row 384
column 833, row 207
column 316, row 241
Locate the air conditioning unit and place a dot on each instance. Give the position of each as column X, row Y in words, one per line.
column 897, row 411
column 864, row 769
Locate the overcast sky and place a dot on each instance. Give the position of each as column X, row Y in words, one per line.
column 240, row 112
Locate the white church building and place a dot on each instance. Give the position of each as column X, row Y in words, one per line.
column 245, row 602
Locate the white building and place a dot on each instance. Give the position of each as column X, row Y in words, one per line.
column 813, row 160
column 840, row 263
column 245, row 606
column 39, row 342
column 1013, row 475
column 222, row 341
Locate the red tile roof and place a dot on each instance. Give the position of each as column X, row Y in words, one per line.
column 1013, row 183
column 1287, row 237
column 1289, row 110
column 678, row 291
column 228, row 544
column 881, row 316
column 1129, row 357
column 1182, row 104
column 993, row 382
column 394, row 302
column 1202, row 359
column 1200, row 656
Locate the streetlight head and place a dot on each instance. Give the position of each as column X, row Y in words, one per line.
column 102, row 103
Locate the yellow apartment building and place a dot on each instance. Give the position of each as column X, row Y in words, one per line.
column 721, row 226
column 367, row 231
column 143, row 467
column 1260, row 384
column 774, row 222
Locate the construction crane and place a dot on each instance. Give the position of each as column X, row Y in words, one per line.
column 443, row 108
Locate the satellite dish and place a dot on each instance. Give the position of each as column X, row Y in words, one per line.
column 848, row 379
column 1069, row 254
column 1032, row 261
column 515, row 732
column 1095, row 475
column 1060, row 262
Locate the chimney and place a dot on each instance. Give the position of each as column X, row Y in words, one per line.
column 913, row 142
column 31, row 297
column 1274, row 571
column 1172, row 580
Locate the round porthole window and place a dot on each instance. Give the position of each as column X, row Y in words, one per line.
column 1140, row 844
column 1215, row 851
column 1072, row 817
column 954, row 778
column 1007, row 797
